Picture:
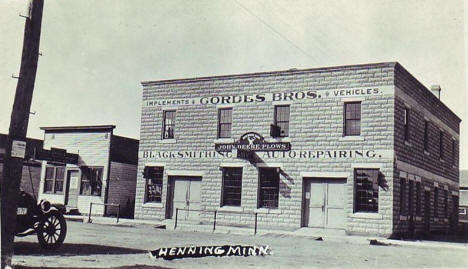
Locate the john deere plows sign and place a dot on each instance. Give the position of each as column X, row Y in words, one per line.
column 252, row 142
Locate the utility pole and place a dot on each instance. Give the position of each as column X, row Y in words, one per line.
column 14, row 154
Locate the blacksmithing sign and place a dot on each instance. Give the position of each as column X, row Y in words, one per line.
column 205, row 251
column 252, row 141
column 256, row 98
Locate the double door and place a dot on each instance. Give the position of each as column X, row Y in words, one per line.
column 185, row 195
column 324, row 203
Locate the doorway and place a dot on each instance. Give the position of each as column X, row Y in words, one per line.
column 184, row 194
column 324, row 203
column 72, row 189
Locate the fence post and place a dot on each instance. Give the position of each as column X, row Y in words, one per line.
column 255, row 232
column 89, row 214
column 118, row 213
column 214, row 222
column 176, row 213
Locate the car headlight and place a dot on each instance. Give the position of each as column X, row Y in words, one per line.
column 45, row 205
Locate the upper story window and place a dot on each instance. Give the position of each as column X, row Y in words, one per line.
column 441, row 145
column 366, row 189
column 406, row 120
column 352, row 119
column 168, row 124
column 454, row 151
column 54, row 176
column 281, row 121
column 426, row 135
column 224, row 122
column 154, row 181
column 232, row 186
column 91, row 180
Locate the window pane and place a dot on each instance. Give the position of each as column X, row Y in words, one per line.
column 367, row 190
column 282, row 120
column 49, row 172
column 352, row 121
column 269, row 188
column 169, row 124
column 154, row 184
column 48, row 185
column 232, row 186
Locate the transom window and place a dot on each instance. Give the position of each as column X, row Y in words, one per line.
column 54, row 177
column 232, row 186
column 154, row 183
column 169, row 124
column 269, row 188
column 281, row 121
column 91, row 181
column 366, row 189
column 224, row 122
column 352, row 116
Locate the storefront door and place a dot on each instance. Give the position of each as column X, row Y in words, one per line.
column 324, row 203
column 72, row 188
column 186, row 197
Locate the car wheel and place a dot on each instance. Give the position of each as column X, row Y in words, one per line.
column 52, row 230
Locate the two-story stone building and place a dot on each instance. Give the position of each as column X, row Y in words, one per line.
column 365, row 149
column 104, row 174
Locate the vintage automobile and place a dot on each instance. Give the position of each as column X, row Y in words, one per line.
column 43, row 218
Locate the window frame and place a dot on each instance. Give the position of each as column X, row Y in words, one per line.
column 446, row 203
column 441, row 145
column 165, row 125
column 286, row 122
column 410, row 198
column 54, row 179
column 346, row 119
column 161, row 183
column 373, row 207
column 426, row 135
column 403, row 201
column 436, row 202
column 261, row 199
column 220, row 124
column 406, row 123
column 224, row 199
column 84, row 174
column 418, row 199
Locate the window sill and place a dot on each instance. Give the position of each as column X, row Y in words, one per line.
column 223, row 140
column 52, row 193
column 156, row 205
column 168, row 141
column 454, row 166
column 407, row 143
column 436, row 219
column 267, row 210
column 364, row 215
column 403, row 217
column 230, row 209
column 89, row 195
column 279, row 139
column 418, row 218
column 352, row 138
column 426, row 152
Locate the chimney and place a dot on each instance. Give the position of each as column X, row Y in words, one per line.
column 435, row 89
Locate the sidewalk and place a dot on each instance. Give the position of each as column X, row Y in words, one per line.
column 339, row 237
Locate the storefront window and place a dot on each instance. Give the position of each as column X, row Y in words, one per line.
column 54, row 177
column 366, row 190
column 436, row 202
column 232, row 186
column 154, row 182
column 418, row 198
column 91, row 181
column 269, row 188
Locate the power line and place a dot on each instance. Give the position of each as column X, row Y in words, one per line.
column 276, row 31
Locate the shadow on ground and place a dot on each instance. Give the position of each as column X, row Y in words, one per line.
column 34, row 249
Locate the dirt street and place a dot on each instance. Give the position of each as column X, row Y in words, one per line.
column 104, row 246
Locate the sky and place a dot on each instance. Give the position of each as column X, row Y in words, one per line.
column 96, row 53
